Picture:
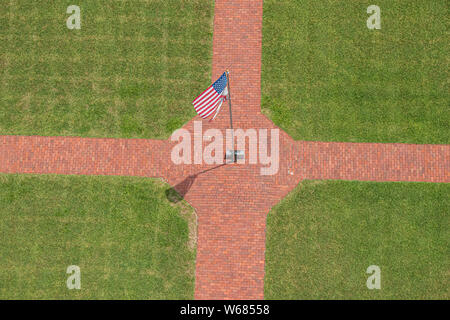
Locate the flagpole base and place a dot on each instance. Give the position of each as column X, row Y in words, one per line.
column 234, row 155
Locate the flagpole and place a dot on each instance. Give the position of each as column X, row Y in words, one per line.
column 231, row 115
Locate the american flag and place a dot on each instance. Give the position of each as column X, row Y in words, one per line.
column 208, row 102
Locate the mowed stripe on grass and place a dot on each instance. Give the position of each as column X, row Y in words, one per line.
column 129, row 241
column 327, row 77
column 131, row 71
column 322, row 238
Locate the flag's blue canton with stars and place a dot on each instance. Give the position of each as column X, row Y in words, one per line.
column 221, row 83
column 206, row 103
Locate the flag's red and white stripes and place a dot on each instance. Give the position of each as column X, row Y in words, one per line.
column 224, row 95
column 206, row 103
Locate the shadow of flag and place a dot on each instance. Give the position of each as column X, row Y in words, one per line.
column 177, row 193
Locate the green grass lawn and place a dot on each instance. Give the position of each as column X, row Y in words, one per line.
column 326, row 76
column 132, row 70
column 324, row 235
column 129, row 241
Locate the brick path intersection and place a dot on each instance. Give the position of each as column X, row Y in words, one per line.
column 232, row 200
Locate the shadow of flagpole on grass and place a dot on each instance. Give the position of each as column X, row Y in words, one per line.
column 178, row 192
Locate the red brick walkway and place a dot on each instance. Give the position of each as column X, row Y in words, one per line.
column 231, row 201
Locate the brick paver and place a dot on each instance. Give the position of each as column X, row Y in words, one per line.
column 231, row 200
